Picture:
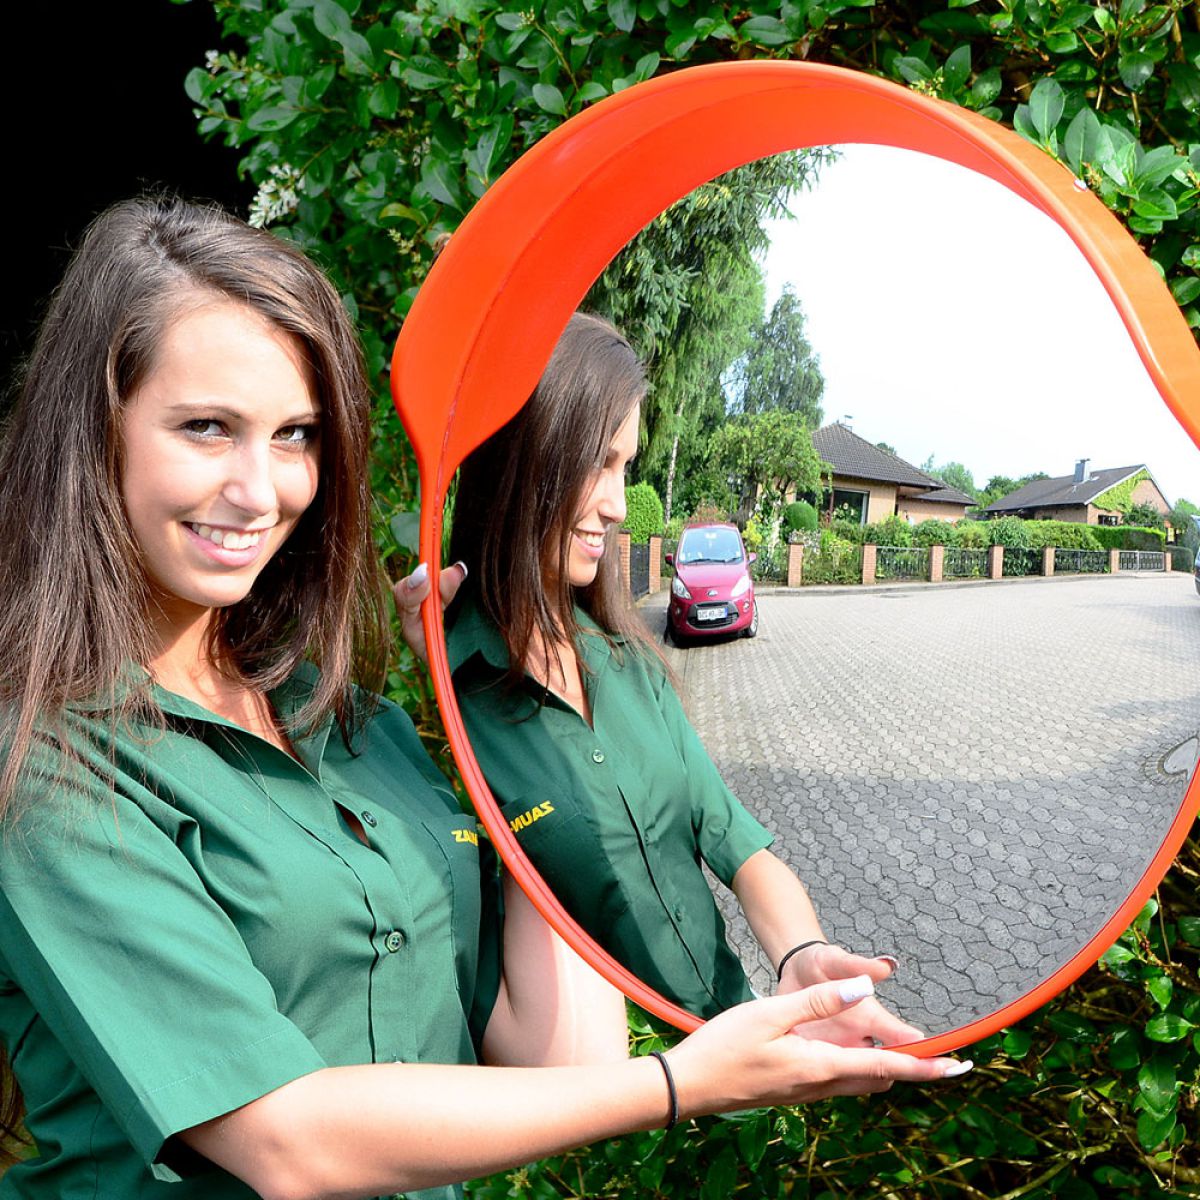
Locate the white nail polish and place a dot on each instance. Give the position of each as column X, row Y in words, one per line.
column 463, row 565
column 857, row 988
column 959, row 1068
column 419, row 576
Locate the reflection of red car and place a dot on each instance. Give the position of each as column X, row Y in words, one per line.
column 712, row 591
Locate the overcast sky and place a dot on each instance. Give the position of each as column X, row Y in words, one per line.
column 954, row 319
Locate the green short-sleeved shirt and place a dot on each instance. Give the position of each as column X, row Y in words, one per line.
column 212, row 928
column 617, row 816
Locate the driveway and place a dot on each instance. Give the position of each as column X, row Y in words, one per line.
column 970, row 778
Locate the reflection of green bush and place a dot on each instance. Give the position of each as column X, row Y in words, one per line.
column 1129, row 537
column 799, row 515
column 643, row 513
column 891, row 531
column 933, row 533
column 1088, row 1099
column 836, row 560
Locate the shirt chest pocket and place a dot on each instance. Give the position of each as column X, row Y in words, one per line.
column 457, row 840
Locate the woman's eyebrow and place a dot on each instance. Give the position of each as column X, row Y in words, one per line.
column 203, row 408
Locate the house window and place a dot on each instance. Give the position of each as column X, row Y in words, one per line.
column 852, row 504
column 1108, row 519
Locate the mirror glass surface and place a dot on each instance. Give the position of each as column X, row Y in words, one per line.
column 970, row 776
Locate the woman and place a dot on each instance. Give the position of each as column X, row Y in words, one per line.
column 246, row 946
column 575, row 722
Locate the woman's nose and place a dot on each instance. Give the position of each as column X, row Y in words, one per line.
column 612, row 499
column 250, row 485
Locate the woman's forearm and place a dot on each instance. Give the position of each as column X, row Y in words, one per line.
column 776, row 904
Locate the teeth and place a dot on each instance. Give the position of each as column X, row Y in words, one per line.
column 227, row 539
column 591, row 539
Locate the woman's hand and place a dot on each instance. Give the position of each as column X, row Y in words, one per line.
column 863, row 1025
column 751, row 1055
column 411, row 591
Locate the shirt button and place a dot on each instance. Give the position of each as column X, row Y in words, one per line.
column 394, row 941
column 679, row 912
column 368, row 818
column 597, row 756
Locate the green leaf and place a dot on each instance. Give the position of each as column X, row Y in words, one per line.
column 1135, row 68
column 1185, row 290
column 957, row 69
column 1079, row 145
column 1104, row 20
column 406, row 530
column 440, row 180
column 317, row 84
column 1125, row 1052
column 400, row 212
column 1156, row 166
column 721, row 1176
column 1156, row 206
column 1062, row 43
column 1167, row 1027
column 1017, row 1043
column 591, row 91
column 646, row 66
column 1189, row 927
column 384, row 99
column 986, row 86
column 331, row 19
column 424, row 73
column 357, row 52
column 271, row 117
column 622, row 13
column 914, row 70
column 680, row 43
column 549, row 99
column 1185, row 80
column 1073, row 1027
column 1153, row 1128
column 1157, row 1084
column 1130, row 8
column 752, row 1140
column 196, row 84
column 1046, row 107
column 766, row 31
column 319, row 174
column 1160, row 986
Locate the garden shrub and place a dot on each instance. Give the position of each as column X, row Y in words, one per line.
column 799, row 515
column 848, row 530
column 891, row 531
column 708, row 514
column 643, row 513
column 933, row 533
column 836, row 560
column 673, row 529
column 1065, row 535
column 1128, row 537
column 972, row 535
column 1009, row 532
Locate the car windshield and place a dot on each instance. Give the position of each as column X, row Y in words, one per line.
column 709, row 546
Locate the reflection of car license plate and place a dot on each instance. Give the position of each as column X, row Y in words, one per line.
column 711, row 614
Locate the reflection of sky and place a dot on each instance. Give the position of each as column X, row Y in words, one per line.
column 954, row 319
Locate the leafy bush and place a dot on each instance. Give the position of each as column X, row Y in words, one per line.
column 849, row 530
column 753, row 535
column 1183, row 558
column 673, row 529
column 933, row 533
column 891, row 531
column 708, row 514
column 1144, row 514
column 799, row 515
column 1128, row 537
column 1066, row 535
column 643, row 513
column 972, row 535
column 837, row 560
column 1009, row 531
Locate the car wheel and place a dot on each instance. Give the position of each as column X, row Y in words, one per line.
column 669, row 635
column 751, row 630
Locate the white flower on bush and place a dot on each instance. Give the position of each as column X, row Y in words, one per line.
column 276, row 195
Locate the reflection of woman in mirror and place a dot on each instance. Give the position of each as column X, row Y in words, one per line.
column 245, row 940
column 574, row 719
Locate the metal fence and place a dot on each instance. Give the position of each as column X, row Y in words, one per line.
column 1022, row 562
column 639, row 569
column 901, row 562
column 1083, row 562
column 1143, row 560
column 964, row 564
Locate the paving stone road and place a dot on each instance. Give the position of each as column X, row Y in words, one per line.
column 967, row 777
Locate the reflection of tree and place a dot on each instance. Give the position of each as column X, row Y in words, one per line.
column 687, row 291
column 780, row 369
column 952, row 474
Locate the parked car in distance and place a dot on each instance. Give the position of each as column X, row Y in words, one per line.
column 1196, row 574
column 712, row 591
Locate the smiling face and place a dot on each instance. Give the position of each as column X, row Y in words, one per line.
column 603, row 504
column 220, row 456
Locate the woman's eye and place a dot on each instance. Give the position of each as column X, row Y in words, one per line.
column 297, row 435
column 204, row 427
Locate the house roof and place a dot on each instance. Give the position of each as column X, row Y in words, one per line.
column 946, row 495
column 1063, row 491
column 851, row 455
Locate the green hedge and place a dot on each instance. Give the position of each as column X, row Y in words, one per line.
column 1129, row 537
column 643, row 513
column 799, row 515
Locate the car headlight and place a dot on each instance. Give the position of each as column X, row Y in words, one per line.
column 678, row 589
column 741, row 587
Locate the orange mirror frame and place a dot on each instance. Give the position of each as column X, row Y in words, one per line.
column 493, row 306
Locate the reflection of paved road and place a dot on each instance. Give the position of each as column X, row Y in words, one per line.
column 962, row 776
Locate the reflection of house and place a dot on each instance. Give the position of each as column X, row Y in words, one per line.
column 877, row 484
column 1090, row 497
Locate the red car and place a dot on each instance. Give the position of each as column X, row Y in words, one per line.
column 712, row 591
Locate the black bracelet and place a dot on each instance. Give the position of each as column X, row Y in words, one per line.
column 796, row 950
column 673, row 1120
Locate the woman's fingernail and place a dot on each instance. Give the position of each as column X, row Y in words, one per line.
column 418, row 577
column 857, row 988
column 957, row 1068
column 463, row 565
column 891, row 960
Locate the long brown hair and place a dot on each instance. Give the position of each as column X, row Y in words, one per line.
column 518, row 494
column 73, row 594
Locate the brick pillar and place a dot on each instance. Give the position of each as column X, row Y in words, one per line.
column 995, row 562
column 655, row 564
column 869, row 563
column 937, row 555
column 623, row 551
column 1114, row 561
column 1167, row 565
column 795, row 570
column 1047, row 561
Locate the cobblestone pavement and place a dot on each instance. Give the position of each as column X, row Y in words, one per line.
column 970, row 778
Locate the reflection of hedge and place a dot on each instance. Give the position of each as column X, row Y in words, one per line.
column 1089, row 1099
column 1129, row 537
